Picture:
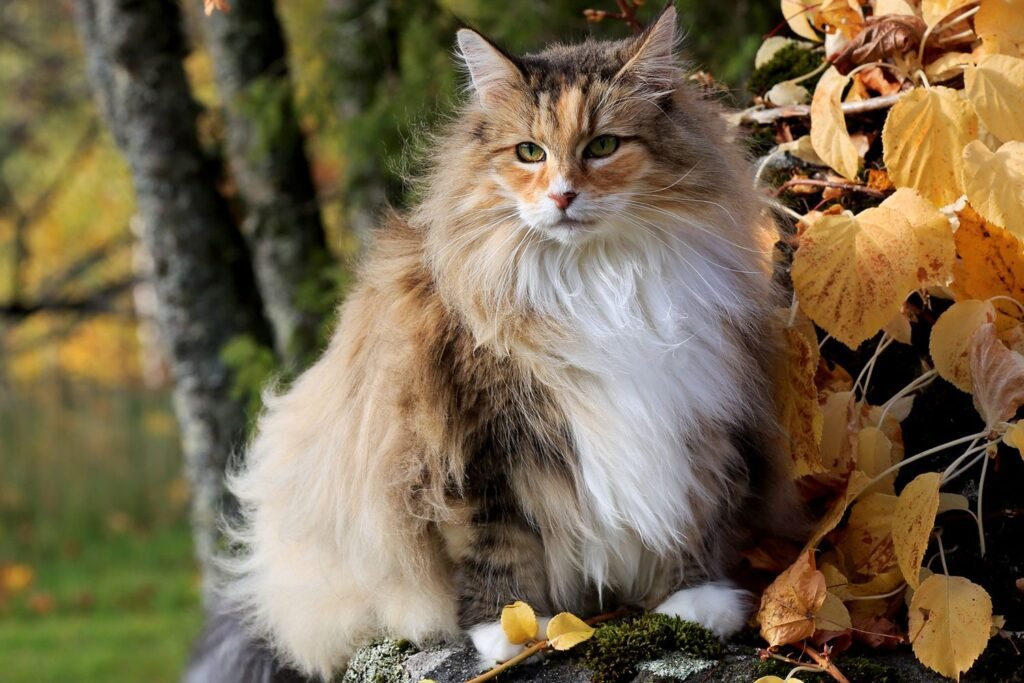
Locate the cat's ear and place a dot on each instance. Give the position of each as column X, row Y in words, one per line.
column 653, row 61
column 491, row 71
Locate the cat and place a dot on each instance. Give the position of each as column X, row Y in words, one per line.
column 552, row 382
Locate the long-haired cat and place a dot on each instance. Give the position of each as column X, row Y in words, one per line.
column 551, row 383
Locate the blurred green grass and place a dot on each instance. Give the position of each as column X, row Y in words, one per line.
column 92, row 503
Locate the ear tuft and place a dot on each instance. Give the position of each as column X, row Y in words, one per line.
column 490, row 71
column 654, row 61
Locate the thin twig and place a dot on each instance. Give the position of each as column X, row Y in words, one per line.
column 826, row 664
column 852, row 187
column 762, row 116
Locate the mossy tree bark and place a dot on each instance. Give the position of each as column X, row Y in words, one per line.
column 202, row 277
column 268, row 161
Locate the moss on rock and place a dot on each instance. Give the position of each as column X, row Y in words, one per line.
column 379, row 662
column 616, row 649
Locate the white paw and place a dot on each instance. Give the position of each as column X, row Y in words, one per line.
column 493, row 645
column 719, row 607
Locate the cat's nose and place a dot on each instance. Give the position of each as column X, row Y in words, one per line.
column 563, row 199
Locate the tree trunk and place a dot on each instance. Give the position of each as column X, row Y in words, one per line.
column 364, row 44
column 201, row 273
column 265, row 149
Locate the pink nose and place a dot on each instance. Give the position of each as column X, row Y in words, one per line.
column 563, row 200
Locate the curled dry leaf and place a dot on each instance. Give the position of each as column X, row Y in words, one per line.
column 875, row 79
column 519, row 622
column 991, row 264
column 950, row 623
column 852, row 273
column 947, row 66
column 566, row 631
column 996, row 89
column 936, row 249
column 828, row 125
column 921, row 138
column 803, row 150
column 1000, row 25
column 787, row 93
column 789, row 605
column 997, row 376
column 797, row 398
column 912, row 523
column 881, row 38
column 994, row 183
column 801, row 15
column 950, row 344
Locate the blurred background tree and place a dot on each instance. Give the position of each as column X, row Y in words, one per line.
column 194, row 233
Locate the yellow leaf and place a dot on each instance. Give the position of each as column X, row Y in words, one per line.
column 991, row 264
column 886, row 7
column 912, row 523
column 845, row 16
column 874, row 456
column 936, row 250
column 799, row 14
column 994, row 183
column 789, row 604
column 15, row 578
column 996, row 89
column 950, row 621
column 997, row 376
column 797, row 398
column 776, row 679
column 566, row 631
column 803, row 150
column 833, row 615
column 951, row 339
column 839, row 423
column 867, row 540
column 934, row 10
column 899, row 328
column 829, row 136
column 852, row 273
column 1000, row 25
column 947, row 66
column 519, row 622
column 921, row 139
column 1014, row 437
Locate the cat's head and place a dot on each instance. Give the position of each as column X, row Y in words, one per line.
column 588, row 139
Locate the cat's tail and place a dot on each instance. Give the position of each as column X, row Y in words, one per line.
column 226, row 653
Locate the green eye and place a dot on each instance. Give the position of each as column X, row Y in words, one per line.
column 530, row 152
column 601, row 146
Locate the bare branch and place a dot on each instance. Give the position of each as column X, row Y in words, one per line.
column 762, row 116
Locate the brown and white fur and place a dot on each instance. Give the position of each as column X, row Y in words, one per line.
column 566, row 407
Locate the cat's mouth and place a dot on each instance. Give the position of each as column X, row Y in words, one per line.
column 572, row 224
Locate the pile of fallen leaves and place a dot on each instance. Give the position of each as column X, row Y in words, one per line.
column 902, row 167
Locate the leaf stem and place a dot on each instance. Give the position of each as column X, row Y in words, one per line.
column 826, row 664
column 914, row 458
column 852, row 187
column 912, row 386
column 508, row 664
column 981, row 496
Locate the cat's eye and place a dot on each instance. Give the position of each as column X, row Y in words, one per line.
column 530, row 152
column 601, row 146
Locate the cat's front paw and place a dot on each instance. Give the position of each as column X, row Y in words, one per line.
column 719, row 607
column 494, row 647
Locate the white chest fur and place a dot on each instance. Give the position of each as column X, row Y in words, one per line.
column 648, row 365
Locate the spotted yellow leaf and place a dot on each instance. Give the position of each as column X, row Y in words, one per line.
column 990, row 264
column 566, row 631
column 950, row 623
column 936, row 250
column 994, row 183
column 852, row 273
column 922, row 141
column 995, row 88
column 829, row 136
column 867, row 541
column 912, row 522
column 950, row 343
column 1000, row 25
column 833, row 615
column 800, row 15
column 874, row 456
column 519, row 622
column 797, row 398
